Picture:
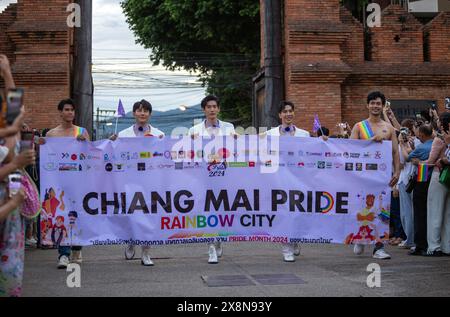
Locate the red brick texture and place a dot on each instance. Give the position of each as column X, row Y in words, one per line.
column 36, row 38
column 326, row 72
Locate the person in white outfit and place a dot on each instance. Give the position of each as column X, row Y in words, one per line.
column 287, row 128
column 212, row 126
column 438, row 215
column 142, row 111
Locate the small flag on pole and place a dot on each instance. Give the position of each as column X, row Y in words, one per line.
column 120, row 110
column 317, row 126
column 120, row 113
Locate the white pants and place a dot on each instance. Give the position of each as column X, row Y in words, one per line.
column 438, row 215
column 289, row 248
column 144, row 248
column 216, row 245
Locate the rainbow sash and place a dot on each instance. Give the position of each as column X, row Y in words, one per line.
column 78, row 131
column 422, row 173
column 366, row 130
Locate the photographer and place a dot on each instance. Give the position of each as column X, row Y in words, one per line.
column 438, row 217
column 389, row 116
column 343, row 131
column 407, row 144
column 11, row 197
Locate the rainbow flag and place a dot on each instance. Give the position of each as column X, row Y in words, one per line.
column 366, row 130
column 422, row 173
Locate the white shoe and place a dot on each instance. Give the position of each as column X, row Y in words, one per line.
column 31, row 243
column 297, row 250
column 63, row 262
column 146, row 260
column 403, row 245
column 76, row 257
column 358, row 249
column 212, row 255
column 129, row 252
column 289, row 257
column 219, row 249
column 381, row 254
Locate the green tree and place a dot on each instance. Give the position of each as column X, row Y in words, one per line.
column 218, row 38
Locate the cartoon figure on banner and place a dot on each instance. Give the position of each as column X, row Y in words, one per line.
column 59, row 232
column 369, row 230
column 50, row 207
column 74, row 231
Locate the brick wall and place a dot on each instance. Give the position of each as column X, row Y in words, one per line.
column 41, row 56
column 326, row 72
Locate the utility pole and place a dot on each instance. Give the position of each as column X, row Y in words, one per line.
column 83, row 88
column 274, row 74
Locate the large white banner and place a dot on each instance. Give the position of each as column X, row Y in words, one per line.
column 162, row 191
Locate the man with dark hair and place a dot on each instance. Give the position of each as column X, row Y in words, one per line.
column 142, row 111
column 67, row 110
column 209, row 127
column 68, row 130
column 420, row 194
column 212, row 125
column 286, row 113
column 64, row 102
column 377, row 130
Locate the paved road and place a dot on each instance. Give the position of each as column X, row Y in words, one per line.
column 323, row 270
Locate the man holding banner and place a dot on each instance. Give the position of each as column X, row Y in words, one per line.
column 142, row 111
column 377, row 130
column 212, row 126
column 286, row 113
column 67, row 129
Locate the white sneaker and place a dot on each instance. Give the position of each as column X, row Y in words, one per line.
column 219, row 249
column 403, row 245
column 297, row 250
column 63, row 262
column 31, row 243
column 289, row 257
column 129, row 252
column 76, row 257
column 146, row 260
column 381, row 254
column 358, row 249
column 212, row 255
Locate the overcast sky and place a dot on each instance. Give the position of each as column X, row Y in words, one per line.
column 123, row 70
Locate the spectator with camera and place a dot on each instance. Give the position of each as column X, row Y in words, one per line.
column 407, row 143
column 12, row 193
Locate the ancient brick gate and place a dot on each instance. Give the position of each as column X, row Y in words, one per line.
column 36, row 38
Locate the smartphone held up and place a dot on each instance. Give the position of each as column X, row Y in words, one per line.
column 11, row 107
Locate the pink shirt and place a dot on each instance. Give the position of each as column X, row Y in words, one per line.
column 437, row 151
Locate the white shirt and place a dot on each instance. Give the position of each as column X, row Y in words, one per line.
column 299, row 133
column 130, row 133
column 407, row 171
column 224, row 129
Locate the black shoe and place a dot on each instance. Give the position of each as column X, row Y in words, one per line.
column 435, row 253
column 418, row 252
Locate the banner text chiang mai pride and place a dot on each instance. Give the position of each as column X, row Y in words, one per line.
column 163, row 191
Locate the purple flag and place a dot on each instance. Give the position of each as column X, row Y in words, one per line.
column 120, row 110
column 317, row 125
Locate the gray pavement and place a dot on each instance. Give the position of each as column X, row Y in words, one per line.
column 327, row 270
